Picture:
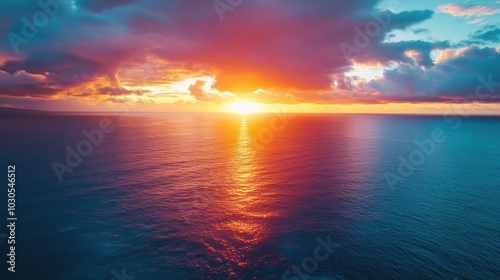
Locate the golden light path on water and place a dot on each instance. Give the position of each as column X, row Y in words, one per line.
column 244, row 228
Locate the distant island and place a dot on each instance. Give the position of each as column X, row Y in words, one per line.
column 9, row 111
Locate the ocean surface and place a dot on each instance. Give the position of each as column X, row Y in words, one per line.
column 227, row 196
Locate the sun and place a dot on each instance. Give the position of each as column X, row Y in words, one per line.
column 244, row 107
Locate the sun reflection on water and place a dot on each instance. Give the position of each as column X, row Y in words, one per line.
column 243, row 226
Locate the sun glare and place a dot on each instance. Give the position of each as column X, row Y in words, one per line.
column 244, row 107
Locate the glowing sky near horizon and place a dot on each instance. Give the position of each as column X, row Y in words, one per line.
column 194, row 55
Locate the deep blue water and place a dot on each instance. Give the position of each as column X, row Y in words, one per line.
column 199, row 196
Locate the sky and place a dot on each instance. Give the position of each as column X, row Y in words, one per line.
column 363, row 56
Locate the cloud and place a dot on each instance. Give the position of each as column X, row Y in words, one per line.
column 454, row 80
column 268, row 51
column 421, row 31
column 196, row 90
column 467, row 10
column 120, row 91
column 25, row 84
column 97, row 6
column 478, row 12
column 278, row 51
column 490, row 33
column 21, row 77
column 407, row 19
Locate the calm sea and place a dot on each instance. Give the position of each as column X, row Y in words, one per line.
column 223, row 196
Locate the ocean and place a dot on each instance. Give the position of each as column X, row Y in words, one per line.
column 261, row 196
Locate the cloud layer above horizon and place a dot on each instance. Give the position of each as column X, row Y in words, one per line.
column 275, row 51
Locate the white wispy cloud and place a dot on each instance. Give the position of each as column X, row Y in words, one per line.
column 476, row 13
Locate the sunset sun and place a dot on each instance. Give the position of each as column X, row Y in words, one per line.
column 244, row 107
